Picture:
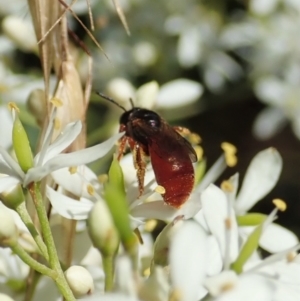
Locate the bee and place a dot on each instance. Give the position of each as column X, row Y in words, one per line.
column 172, row 156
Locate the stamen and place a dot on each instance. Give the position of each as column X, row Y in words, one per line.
column 146, row 272
column 90, row 189
column 12, row 106
column 160, row 189
column 227, row 186
column 230, row 151
column 73, row 170
column 291, row 256
column 195, row 138
column 280, row 204
column 150, row 225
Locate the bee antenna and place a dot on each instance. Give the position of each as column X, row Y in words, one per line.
column 111, row 100
column 131, row 102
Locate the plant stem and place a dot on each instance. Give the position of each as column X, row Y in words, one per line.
column 23, row 213
column 108, row 267
column 32, row 262
column 60, row 280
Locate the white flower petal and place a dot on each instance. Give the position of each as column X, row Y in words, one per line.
column 156, row 209
column 77, row 158
column 214, row 257
column 268, row 123
column 189, row 47
column 67, row 136
column 271, row 90
column 261, row 176
column 146, row 95
column 276, row 238
column 212, row 174
column 76, row 183
column 178, row 93
column 67, row 207
column 9, row 161
column 215, row 209
column 248, row 288
column 262, row 7
column 188, row 260
column 6, row 183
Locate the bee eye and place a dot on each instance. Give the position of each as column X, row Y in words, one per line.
column 154, row 122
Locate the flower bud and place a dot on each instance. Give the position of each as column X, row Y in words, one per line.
column 102, row 230
column 20, row 141
column 80, row 281
column 12, row 197
column 8, row 228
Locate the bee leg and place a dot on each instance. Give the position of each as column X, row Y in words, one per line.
column 121, row 147
column 140, row 165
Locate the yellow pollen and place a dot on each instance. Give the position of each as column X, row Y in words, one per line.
column 291, row 256
column 199, row 152
column 146, row 272
column 90, row 189
column 57, row 124
column 13, row 106
column 228, row 148
column 160, row 189
column 228, row 223
column 280, row 204
column 103, row 178
column 227, row 186
column 195, row 138
column 150, row 225
column 72, row 170
column 56, row 102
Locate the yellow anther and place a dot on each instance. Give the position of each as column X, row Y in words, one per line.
column 280, row 204
column 13, row 106
column 56, row 102
column 231, row 159
column 150, row 225
column 227, row 186
column 90, row 189
column 72, row 170
column 57, row 124
column 103, row 178
column 228, row 223
column 228, row 148
column 199, row 152
column 160, row 189
column 194, row 138
column 291, row 256
column 146, row 272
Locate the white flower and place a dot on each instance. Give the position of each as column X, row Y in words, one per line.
column 49, row 158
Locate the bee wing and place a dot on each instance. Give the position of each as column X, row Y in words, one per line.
column 169, row 142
